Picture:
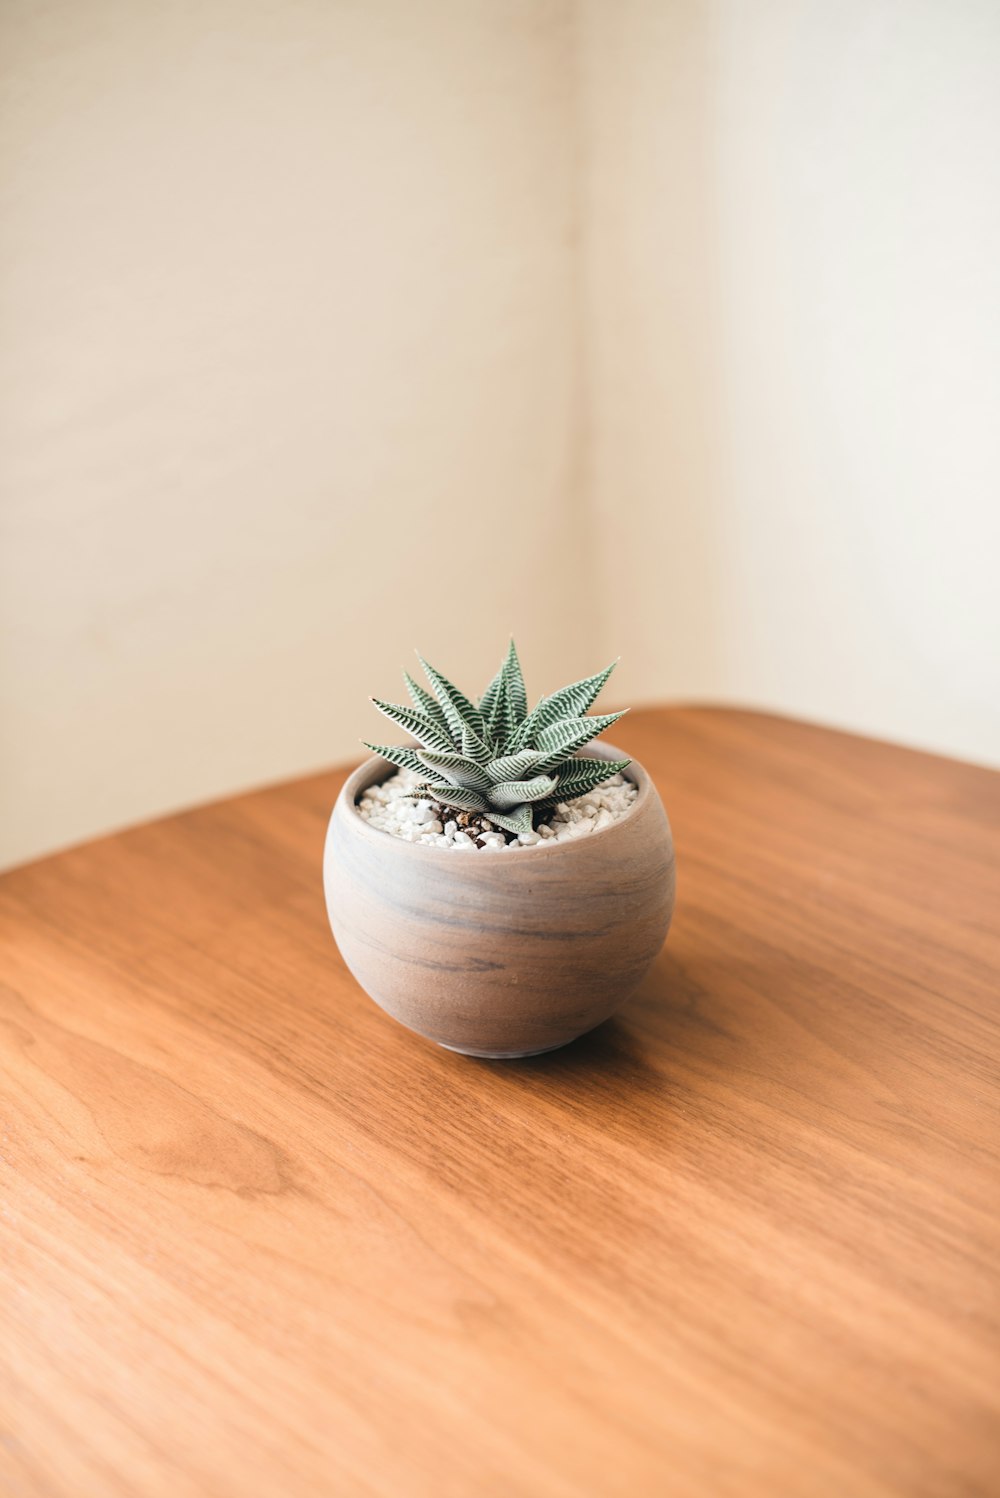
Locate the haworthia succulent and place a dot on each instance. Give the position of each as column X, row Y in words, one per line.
column 497, row 757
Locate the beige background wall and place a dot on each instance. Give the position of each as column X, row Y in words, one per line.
column 331, row 327
column 793, row 309
column 288, row 382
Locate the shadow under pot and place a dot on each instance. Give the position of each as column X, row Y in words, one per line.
column 500, row 954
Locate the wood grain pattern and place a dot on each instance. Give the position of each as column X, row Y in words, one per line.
column 257, row 1239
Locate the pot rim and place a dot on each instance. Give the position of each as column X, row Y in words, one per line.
column 361, row 778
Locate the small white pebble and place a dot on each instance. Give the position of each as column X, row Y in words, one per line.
column 391, row 808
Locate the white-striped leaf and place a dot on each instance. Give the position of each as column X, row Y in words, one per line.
column 473, row 747
column 455, row 705
column 511, row 675
column 495, row 731
column 457, row 795
column 524, row 733
column 425, row 703
column 517, row 819
column 510, row 792
column 568, row 702
column 456, row 769
column 489, row 697
column 416, row 724
column 513, row 766
column 398, row 754
column 582, row 775
column 563, row 738
column 503, row 723
column 577, row 697
column 515, row 684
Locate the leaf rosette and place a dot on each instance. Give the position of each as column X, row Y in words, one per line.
column 494, row 756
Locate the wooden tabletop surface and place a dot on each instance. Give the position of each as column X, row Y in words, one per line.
column 256, row 1239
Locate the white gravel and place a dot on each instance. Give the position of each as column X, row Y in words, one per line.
column 389, row 807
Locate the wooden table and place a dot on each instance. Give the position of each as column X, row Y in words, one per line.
column 258, row 1240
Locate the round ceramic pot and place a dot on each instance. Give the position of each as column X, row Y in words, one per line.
column 500, row 954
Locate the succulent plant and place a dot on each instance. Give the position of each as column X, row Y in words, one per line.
column 498, row 758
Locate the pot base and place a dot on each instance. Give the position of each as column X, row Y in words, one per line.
column 541, row 1050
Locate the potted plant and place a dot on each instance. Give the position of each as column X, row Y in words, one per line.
column 496, row 884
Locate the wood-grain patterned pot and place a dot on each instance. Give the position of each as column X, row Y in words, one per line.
column 500, row 954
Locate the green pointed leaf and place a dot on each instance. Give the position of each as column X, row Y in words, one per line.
column 425, row 703
column 456, row 707
column 569, row 734
column 407, row 760
column 510, row 792
column 580, row 695
column 494, row 729
column 524, row 733
column 515, row 684
column 460, row 797
column 509, row 673
column 517, row 819
column 502, row 724
column 513, row 766
column 416, row 724
column 568, row 702
column 489, row 697
column 397, row 754
column 581, row 775
column 456, row 769
column 473, row 747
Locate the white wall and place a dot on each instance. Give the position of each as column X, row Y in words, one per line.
column 287, row 382
column 793, row 302
column 668, row 328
